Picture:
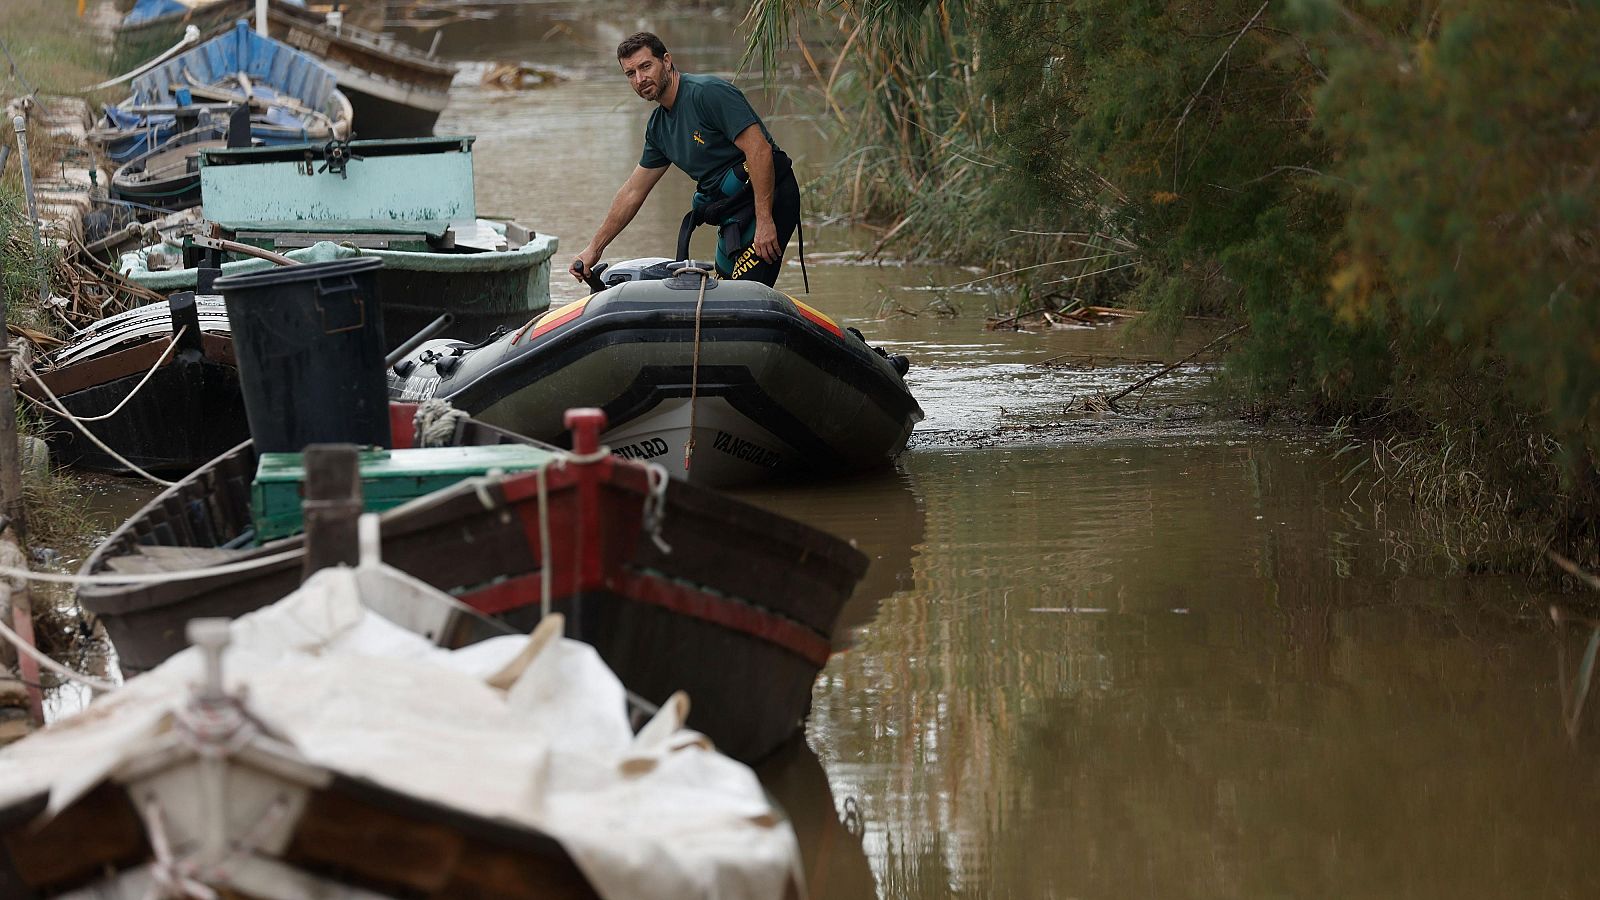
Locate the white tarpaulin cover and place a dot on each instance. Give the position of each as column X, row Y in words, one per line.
column 527, row 729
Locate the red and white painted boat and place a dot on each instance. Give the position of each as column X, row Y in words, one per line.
column 677, row 586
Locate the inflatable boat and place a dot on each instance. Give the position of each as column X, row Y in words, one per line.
column 745, row 385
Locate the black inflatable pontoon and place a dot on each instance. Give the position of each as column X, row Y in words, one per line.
column 782, row 389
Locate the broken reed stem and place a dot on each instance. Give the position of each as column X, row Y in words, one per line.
column 1112, row 400
column 1573, row 569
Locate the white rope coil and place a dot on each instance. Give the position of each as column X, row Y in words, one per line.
column 435, row 423
column 583, row 459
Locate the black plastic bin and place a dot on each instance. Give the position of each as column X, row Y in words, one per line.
column 309, row 340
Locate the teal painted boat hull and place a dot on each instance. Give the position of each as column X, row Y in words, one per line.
column 484, row 291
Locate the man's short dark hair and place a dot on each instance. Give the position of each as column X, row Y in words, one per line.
column 636, row 42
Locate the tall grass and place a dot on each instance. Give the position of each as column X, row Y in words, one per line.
column 1400, row 198
column 906, row 85
column 53, row 51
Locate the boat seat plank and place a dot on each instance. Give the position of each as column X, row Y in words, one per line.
column 431, row 228
column 156, row 558
column 293, row 240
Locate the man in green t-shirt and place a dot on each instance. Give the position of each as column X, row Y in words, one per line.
column 745, row 185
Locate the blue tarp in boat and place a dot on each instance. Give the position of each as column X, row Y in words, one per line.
column 145, row 10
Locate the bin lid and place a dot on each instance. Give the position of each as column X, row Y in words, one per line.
column 298, row 274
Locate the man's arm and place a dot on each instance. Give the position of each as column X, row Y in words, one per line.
column 624, row 207
column 758, row 157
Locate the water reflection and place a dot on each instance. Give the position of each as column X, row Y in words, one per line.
column 828, row 828
column 1166, row 671
column 880, row 513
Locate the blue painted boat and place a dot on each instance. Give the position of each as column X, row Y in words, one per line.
column 292, row 95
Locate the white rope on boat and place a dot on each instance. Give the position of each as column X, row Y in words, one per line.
column 546, row 578
column 583, row 459
column 191, row 35
column 151, row 578
column 174, row 876
column 16, row 640
column 655, row 504
column 58, row 409
column 172, row 344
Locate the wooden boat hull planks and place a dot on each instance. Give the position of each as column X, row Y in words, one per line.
column 352, row 832
column 168, row 176
column 189, row 410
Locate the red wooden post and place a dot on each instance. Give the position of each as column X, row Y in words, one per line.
column 586, row 424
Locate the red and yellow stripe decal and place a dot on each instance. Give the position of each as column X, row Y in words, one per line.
column 553, row 319
column 817, row 317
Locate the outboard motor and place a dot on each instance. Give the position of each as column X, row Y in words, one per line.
column 647, row 268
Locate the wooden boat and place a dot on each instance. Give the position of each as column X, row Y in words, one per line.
column 306, row 763
column 395, row 91
column 188, row 410
column 217, row 802
column 292, row 96
column 407, row 202
column 168, row 177
column 779, row 388
column 679, row 588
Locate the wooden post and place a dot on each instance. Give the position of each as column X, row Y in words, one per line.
column 19, row 124
column 332, row 506
column 186, row 319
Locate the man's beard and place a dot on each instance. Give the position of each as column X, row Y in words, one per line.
column 660, row 87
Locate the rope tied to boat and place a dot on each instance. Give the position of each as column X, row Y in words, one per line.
column 435, row 423
column 186, row 875
column 655, row 504
column 150, row 578
column 173, row 876
column 55, row 406
column 546, row 575
column 16, row 640
column 172, row 344
column 694, row 371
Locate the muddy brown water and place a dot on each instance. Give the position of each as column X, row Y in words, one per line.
column 1143, row 656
